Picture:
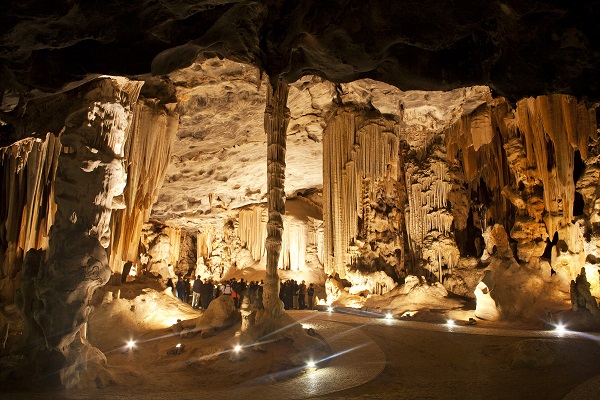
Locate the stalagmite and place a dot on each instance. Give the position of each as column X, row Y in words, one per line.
column 277, row 116
column 56, row 293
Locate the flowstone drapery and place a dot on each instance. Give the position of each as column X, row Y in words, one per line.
column 57, row 288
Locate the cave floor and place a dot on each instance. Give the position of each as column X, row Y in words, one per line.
column 375, row 358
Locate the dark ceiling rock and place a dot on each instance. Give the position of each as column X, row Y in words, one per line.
column 518, row 47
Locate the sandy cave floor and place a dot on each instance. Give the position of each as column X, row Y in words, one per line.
column 418, row 358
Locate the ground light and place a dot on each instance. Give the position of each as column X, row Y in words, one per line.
column 450, row 322
column 389, row 315
column 560, row 329
column 237, row 348
column 311, row 364
column 330, row 309
column 130, row 344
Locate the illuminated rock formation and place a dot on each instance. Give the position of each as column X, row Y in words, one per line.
column 56, row 289
column 113, row 151
column 276, row 121
column 362, row 197
column 28, row 169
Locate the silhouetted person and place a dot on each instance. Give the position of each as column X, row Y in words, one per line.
column 180, row 286
column 311, row 292
column 302, row 296
column 207, row 293
column 197, row 292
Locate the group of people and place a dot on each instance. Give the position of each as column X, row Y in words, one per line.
column 203, row 292
column 241, row 289
column 290, row 289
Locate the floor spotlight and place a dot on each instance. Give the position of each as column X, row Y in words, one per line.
column 311, row 364
column 330, row 309
column 450, row 322
column 130, row 344
column 389, row 315
column 560, row 328
column 237, row 348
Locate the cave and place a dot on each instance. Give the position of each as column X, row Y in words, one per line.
column 431, row 169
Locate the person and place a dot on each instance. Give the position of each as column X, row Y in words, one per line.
column 186, row 289
column 226, row 289
column 243, row 286
column 171, row 286
column 206, row 294
column 311, row 292
column 290, row 291
column 283, row 293
column 180, row 287
column 197, row 292
column 302, row 296
column 259, row 294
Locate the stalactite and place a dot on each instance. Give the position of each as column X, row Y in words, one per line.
column 147, row 151
column 360, row 166
column 27, row 170
column 429, row 220
column 315, row 238
column 297, row 236
column 553, row 127
column 472, row 142
column 252, row 230
column 204, row 241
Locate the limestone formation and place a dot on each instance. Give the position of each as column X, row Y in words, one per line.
column 419, row 193
column 28, row 170
column 363, row 198
column 57, row 288
column 581, row 298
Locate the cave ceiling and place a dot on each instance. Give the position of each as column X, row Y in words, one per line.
column 518, row 48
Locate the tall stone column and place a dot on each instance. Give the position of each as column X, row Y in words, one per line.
column 56, row 292
column 277, row 117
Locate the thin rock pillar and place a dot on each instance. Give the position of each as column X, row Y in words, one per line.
column 277, row 117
